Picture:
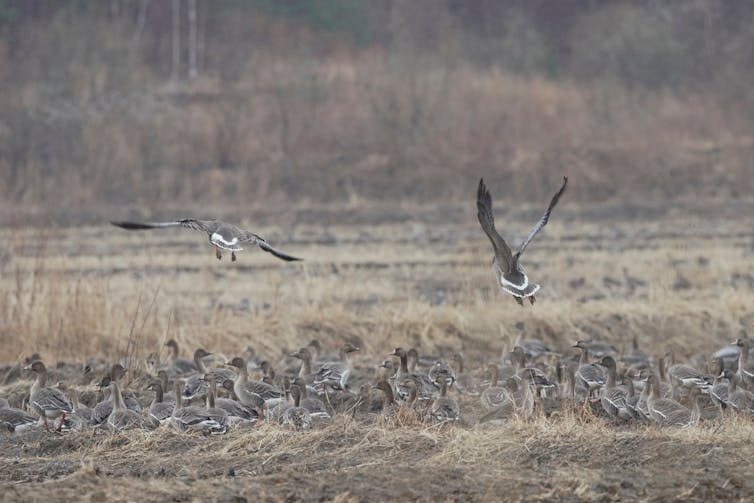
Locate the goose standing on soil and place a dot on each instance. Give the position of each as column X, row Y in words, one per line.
column 222, row 236
column 508, row 270
column 745, row 369
column 50, row 403
column 666, row 411
column 424, row 387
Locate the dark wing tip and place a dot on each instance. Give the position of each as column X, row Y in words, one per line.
column 129, row 225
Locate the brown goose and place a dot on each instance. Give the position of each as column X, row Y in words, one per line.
column 122, row 418
column 178, row 364
column 745, row 369
column 508, row 270
column 336, row 374
column 253, row 393
column 297, row 417
column 315, row 406
column 50, row 403
column 222, row 236
column 465, row 382
column 666, row 411
column 614, row 399
column 159, row 410
column 196, row 385
column 589, row 374
column 739, row 399
column 424, row 387
column 444, row 409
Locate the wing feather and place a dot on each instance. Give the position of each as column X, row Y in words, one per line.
column 543, row 221
column 250, row 237
column 207, row 226
column 487, row 221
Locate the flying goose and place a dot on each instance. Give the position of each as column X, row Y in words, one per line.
column 509, row 272
column 222, row 236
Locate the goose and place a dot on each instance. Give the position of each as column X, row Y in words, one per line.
column 254, row 393
column 178, row 364
column 441, row 372
column 745, row 369
column 508, row 270
column 159, row 410
column 719, row 390
column 315, row 406
column 335, row 374
column 538, row 378
column 222, row 236
column 237, row 412
column 444, row 409
column 666, row 411
column 688, row 377
column 389, row 407
column 532, row 348
column 15, row 420
column 465, row 383
column 122, row 418
column 739, row 399
column 614, row 399
column 297, row 417
column 494, row 396
column 193, row 417
column 589, row 374
column 305, row 371
column 50, row 403
column 218, row 414
column 423, row 385
column 196, row 385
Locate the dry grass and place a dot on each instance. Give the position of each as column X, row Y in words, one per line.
column 98, row 292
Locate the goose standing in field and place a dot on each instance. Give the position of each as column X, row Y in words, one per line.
column 614, row 399
column 297, row 417
column 159, row 410
column 745, row 369
column 441, row 372
column 254, row 393
column 178, row 364
column 666, row 411
column 222, row 236
column 739, row 399
column 50, row 403
column 444, row 408
column 218, row 414
column 508, row 271
column 336, row 374
column 121, row 418
column 589, row 374
column 193, row 417
column 423, row 385
column 314, row 405
column 196, row 385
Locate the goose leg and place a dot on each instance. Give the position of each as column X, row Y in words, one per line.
column 60, row 426
column 232, row 256
column 532, row 299
column 519, row 300
column 217, row 253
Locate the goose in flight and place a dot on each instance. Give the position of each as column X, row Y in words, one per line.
column 509, row 272
column 222, row 236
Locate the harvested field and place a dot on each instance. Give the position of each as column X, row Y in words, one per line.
column 678, row 280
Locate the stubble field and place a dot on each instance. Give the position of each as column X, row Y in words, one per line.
column 676, row 277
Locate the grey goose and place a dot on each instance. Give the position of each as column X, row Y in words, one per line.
column 508, row 270
column 222, row 235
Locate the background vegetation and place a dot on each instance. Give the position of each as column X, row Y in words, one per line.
column 159, row 105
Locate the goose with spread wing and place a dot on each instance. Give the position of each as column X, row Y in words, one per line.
column 508, row 270
column 222, row 236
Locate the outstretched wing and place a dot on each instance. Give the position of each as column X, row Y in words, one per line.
column 542, row 221
column 250, row 237
column 207, row 226
column 486, row 219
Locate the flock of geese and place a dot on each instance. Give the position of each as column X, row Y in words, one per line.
column 212, row 393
